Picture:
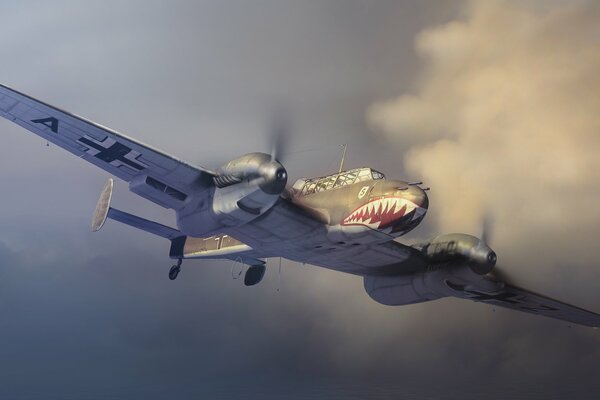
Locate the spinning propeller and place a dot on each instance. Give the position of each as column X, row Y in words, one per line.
column 280, row 132
column 497, row 272
column 263, row 170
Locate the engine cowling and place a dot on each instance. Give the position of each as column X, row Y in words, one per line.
column 461, row 247
column 245, row 188
column 271, row 175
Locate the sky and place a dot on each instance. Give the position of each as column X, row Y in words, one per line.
column 492, row 103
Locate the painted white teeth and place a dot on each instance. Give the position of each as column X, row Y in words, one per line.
column 370, row 214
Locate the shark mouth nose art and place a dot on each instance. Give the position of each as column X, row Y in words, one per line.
column 383, row 212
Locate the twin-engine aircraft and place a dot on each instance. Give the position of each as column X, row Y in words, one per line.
column 244, row 211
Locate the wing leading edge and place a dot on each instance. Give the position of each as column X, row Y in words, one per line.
column 520, row 299
column 152, row 174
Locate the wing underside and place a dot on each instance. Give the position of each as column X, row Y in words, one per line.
column 384, row 258
column 151, row 173
column 519, row 299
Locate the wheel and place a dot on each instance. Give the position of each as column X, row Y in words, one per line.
column 254, row 274
column 174, row 271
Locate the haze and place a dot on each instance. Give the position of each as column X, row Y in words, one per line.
column 494, row 104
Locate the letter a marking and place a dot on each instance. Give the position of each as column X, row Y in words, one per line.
column 50, row 122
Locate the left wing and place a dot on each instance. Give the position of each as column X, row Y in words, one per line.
column 152, row 174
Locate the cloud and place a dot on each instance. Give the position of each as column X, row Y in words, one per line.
column 504, row 120
column 95, row 313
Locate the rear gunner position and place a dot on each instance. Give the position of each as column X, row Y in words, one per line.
column 245, row 212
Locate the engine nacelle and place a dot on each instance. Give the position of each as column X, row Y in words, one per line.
column 461, row 247
column 426, row 285
column 245, row 188
column 455, row 259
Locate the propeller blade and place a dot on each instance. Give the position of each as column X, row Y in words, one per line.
column 497, row 273
column 486, row 226
column 279, row 134
column 500, row 274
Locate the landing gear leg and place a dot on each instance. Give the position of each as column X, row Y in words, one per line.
column 175, row 269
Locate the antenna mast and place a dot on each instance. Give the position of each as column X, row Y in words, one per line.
column 343, row 157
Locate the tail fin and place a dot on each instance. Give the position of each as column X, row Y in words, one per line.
column 103, row 206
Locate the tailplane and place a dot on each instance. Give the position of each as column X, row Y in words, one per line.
column 104, row 211
column 183, row 246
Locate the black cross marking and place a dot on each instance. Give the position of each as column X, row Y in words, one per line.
column 504, row 296
column 539, row 308
column 50, row 122
column 116, row 152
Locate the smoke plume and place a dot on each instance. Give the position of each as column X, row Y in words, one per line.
column 504, row 121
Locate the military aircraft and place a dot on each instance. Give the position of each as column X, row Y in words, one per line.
column 244, row 211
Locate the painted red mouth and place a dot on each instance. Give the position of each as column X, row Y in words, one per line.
column 380, row 213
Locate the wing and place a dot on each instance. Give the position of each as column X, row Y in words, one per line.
column 377, row 259
column 524, row 300
column 151, row 173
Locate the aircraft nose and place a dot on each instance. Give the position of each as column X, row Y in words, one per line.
column 422, row 201
column 419, row 197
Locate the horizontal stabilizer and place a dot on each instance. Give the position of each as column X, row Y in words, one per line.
column 104, row 210
column 144, row 224
column 182, row 246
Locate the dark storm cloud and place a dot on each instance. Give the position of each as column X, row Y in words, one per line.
column 88, row 315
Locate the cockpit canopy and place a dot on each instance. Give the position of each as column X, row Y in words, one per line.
column 314, row 185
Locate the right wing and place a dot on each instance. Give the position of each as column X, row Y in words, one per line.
column 376, row 259
column 519, row 299
column 151, row 173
